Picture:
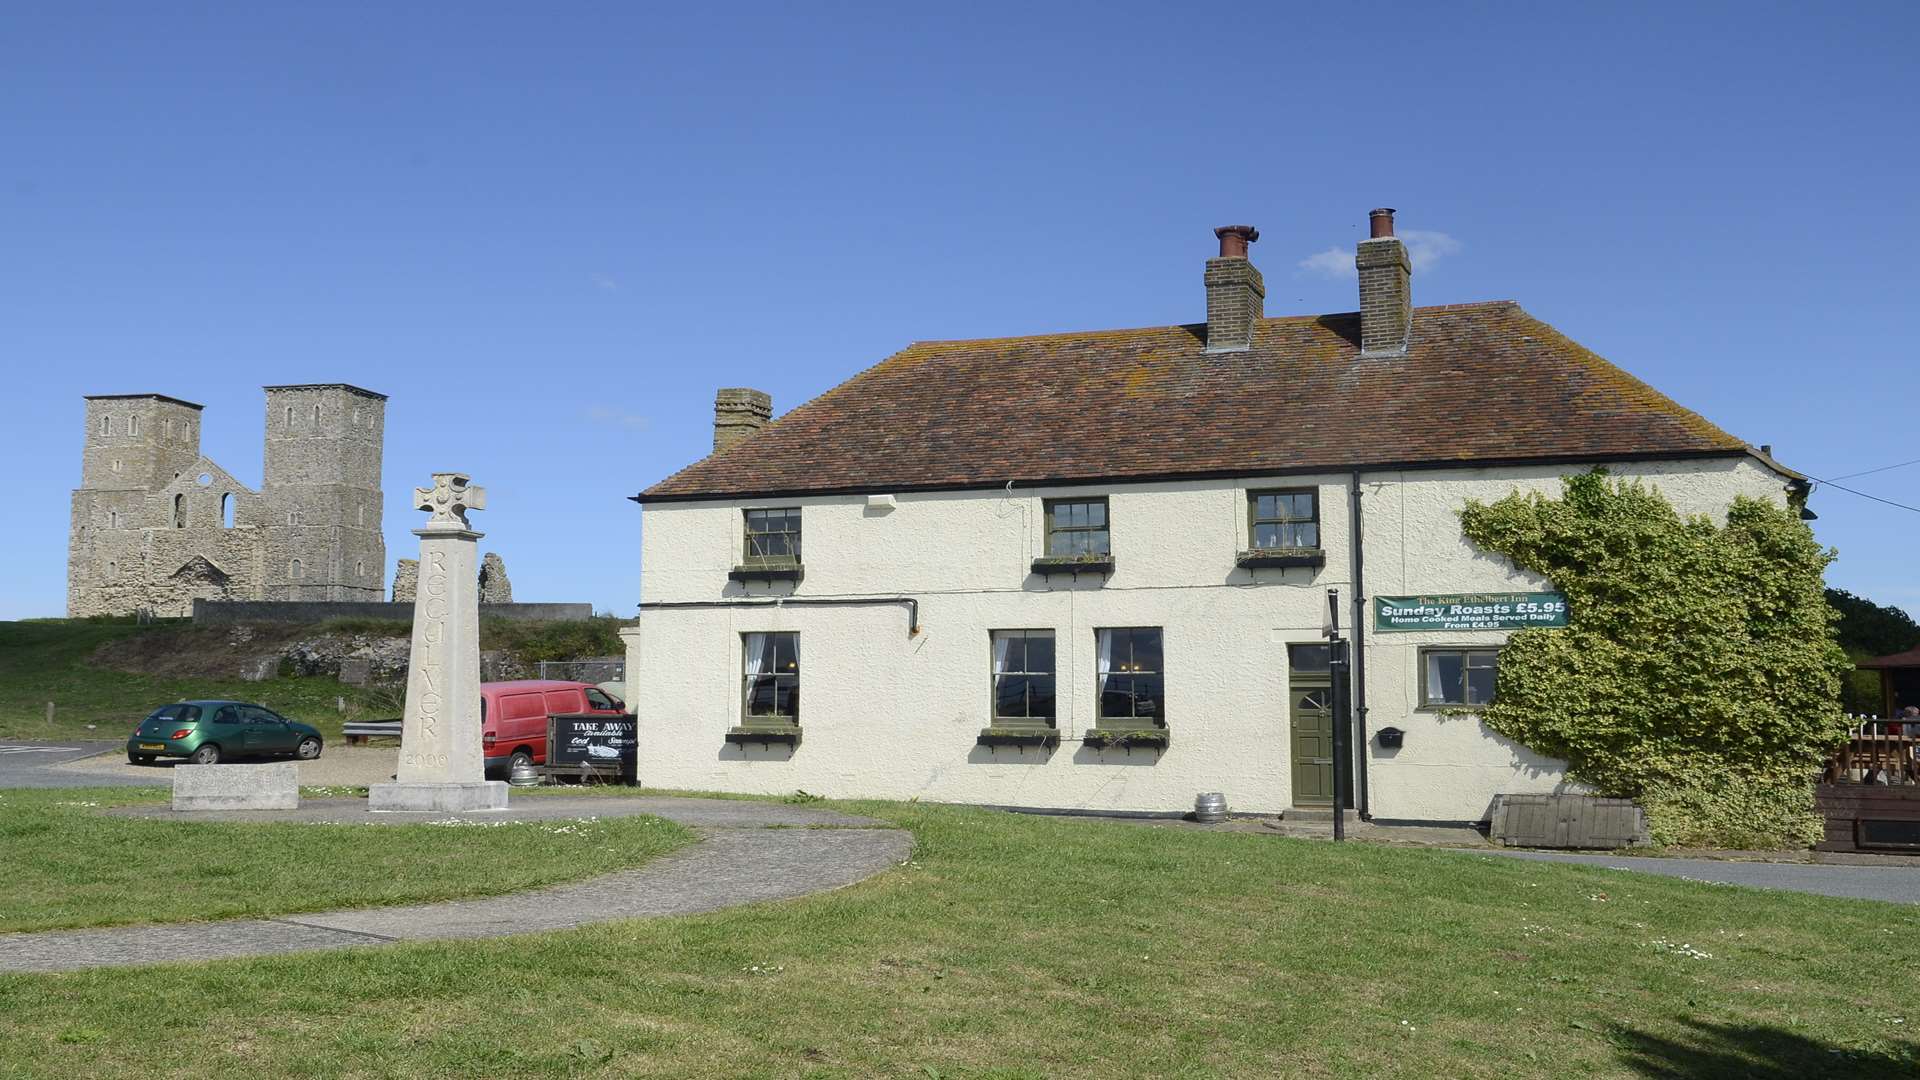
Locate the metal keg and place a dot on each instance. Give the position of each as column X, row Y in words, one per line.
column 524, row 775
column 1209, row 808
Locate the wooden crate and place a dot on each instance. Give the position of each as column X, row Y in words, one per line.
column 1567, row 821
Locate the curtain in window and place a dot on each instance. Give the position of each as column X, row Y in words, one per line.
column 759, row 657
column 1000, row 643
column 1436, row 685
column 1105, row 665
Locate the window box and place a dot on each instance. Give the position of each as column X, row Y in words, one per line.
column 765, row 733
column 1128, row 738
column 1073, row 564
column 1019, row 736
column 769, row 572
column 1280, row 558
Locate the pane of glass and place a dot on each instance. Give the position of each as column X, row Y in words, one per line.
column 1444, row 678
column 1096, row 513
column 1146, row 650
column 1310, row 657
column 760, row 695
column 756, row 521
column 1040, row 652
column 1300, row 507
column 1147, row 691
column 787, row 696
column 1062, row 515
column 776, row 546
column 787, row 652
column 1010, row 696
column 1479, row 685
column 1097, row 542
column 1040, row 696
column 1313, row 700
column 1266, row 507
column 1016, row 652
column 1117, row 699
column 1266, row 536
column 1307, row 535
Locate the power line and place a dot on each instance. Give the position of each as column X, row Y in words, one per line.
column 1864, row 495
column 1870, row 472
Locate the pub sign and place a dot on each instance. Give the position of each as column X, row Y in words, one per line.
column 1469, row 611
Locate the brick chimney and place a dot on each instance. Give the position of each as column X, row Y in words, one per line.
column 1236, row 294
column 1386, row 290
column 737, row 413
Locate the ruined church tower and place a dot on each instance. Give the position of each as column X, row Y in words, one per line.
column 321, row 491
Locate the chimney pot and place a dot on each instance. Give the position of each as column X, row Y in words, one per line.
column 1380, row 222
column 1236, row 293
column 738, row 412
column 1234, row 240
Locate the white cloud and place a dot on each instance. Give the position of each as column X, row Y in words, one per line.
column 606, row 282
column 1333, row 263
column 606, row 417
column 1424, row 248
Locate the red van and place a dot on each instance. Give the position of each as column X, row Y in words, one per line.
column 513, row 717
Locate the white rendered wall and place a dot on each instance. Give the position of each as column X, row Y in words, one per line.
column 887, row 715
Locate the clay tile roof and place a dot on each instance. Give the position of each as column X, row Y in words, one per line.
column 1480, row 383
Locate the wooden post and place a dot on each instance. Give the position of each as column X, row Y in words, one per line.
column 49, row 714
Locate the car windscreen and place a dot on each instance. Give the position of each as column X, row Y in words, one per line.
column 182, row 714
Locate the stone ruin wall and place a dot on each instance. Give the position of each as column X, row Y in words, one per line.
column 494, row 586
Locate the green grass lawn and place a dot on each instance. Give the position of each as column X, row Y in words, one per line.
column 1019, row 946
column 48, row 660
column 63, row 864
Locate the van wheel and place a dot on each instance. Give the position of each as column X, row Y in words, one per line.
column 208, row 754
column 519, row 758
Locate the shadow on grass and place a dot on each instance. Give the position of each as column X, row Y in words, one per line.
column 1752, row 1052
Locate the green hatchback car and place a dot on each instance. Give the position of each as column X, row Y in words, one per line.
column 206, row 732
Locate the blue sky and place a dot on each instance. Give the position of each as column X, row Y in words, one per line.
column 549, row 235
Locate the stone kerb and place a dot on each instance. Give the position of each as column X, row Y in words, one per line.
column 237, row 787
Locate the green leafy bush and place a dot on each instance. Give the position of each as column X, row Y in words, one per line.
column 1698, row 673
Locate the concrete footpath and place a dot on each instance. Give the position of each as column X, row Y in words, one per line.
column 1899, row 884
column 747, row 852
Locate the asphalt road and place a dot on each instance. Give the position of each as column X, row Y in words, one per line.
column 1898, row 884
column 24, row 764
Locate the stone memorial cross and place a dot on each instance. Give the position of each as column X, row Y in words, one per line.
column 441, row 761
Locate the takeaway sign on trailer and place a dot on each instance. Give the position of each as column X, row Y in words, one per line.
column 1470, row 611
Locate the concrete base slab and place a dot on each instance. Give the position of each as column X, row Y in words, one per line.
column 237, row 787
column 452, row 798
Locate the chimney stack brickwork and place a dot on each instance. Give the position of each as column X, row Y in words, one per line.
column 1236, row 293
column 1386, row 290
column 737, row 413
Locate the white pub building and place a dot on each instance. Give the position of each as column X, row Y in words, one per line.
column 1091, row 570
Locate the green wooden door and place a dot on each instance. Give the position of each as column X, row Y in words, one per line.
column 1310, row 715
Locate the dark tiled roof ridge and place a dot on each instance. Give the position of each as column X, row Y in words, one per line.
column 1486, row 381
column 1126, row 331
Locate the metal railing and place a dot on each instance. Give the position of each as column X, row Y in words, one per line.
column 1877, row 752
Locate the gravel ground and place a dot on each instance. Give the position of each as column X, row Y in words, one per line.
column 338, row 766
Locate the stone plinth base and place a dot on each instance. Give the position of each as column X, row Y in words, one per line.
column 440, row 798
column 237, row 787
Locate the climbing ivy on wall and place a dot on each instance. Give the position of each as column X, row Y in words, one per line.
column 1698, row 672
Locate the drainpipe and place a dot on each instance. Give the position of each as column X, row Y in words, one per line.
column 1359, row 667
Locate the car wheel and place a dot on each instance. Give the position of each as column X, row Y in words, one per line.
column 140, row 759
column 519, row 758
column 208, row 754
column 308, row 749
